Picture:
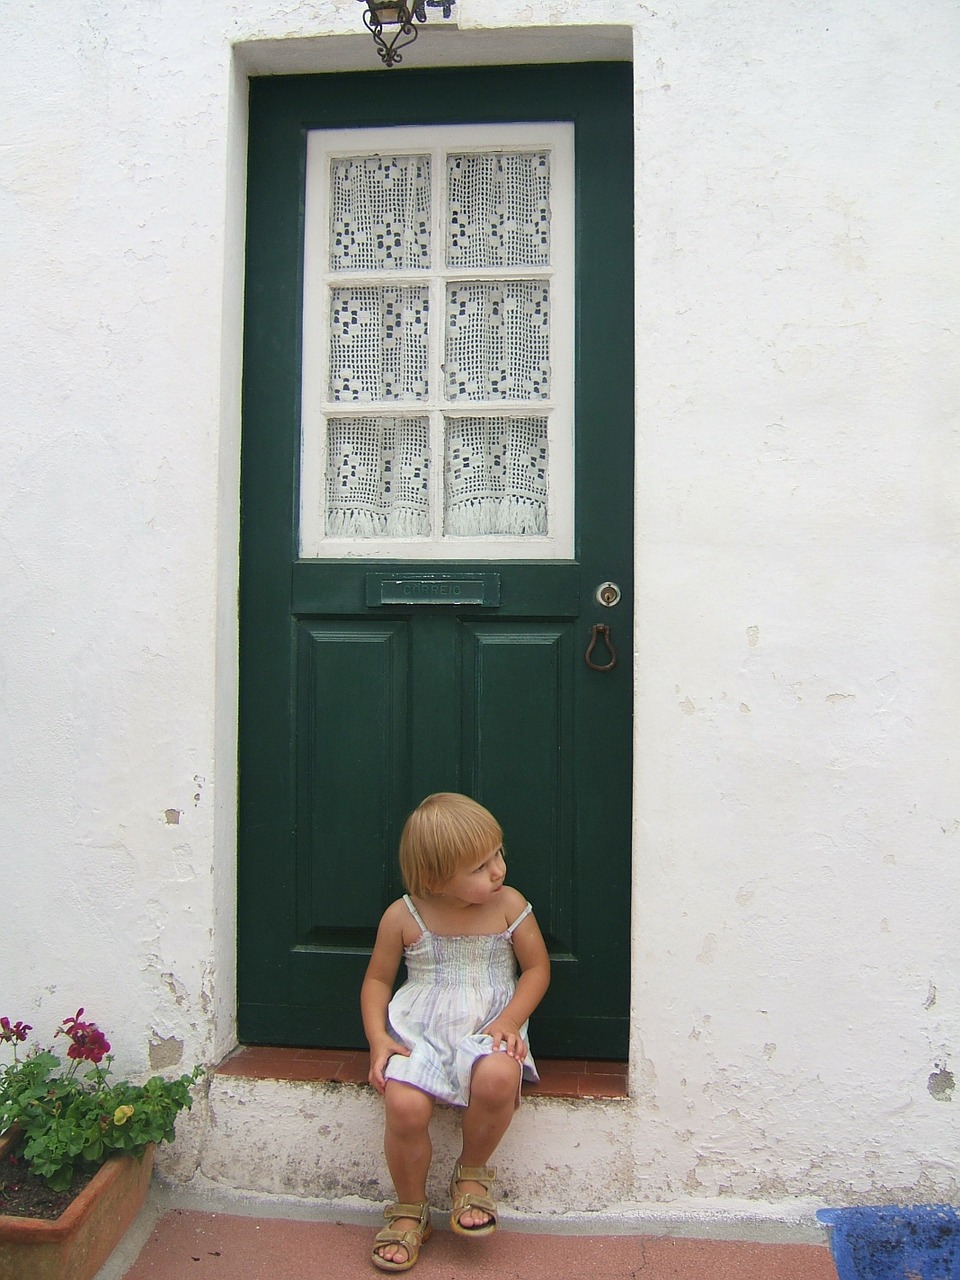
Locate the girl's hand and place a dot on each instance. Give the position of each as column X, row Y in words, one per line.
column 380, row 1056
column 507, row 1032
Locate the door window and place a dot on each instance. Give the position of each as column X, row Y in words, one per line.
column 437, row 380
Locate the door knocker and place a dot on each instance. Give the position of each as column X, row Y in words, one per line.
column 600, row 632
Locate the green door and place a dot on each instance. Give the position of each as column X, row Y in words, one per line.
column 368, row 680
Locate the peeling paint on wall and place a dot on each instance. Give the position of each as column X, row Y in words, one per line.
column 940, row 1084
column 165, row 1053
column 175, row 987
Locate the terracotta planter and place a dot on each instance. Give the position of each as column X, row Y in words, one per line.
column 77, row 1244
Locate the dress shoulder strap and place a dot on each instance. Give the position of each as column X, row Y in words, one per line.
column 416, row 914
column 520, row 919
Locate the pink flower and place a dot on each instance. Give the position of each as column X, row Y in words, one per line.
column 9, row 1034
column 88, row 1041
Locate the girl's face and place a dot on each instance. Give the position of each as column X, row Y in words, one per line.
column 477, row 883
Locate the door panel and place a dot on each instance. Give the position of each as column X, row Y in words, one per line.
column 519, row 748
column 359, row 696
column 351, row 774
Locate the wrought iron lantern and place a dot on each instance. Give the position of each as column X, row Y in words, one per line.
column 400, row 14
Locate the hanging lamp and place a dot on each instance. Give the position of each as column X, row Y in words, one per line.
column 378, row 14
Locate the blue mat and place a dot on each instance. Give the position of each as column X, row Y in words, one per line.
column 896, row 1242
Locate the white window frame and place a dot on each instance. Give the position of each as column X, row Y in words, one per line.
column 323, row 146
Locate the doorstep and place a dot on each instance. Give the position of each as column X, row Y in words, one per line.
column 559, row 1077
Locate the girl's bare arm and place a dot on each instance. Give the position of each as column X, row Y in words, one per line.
column 375, row 993
column 534, row 961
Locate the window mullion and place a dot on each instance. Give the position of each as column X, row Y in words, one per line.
column 438, row 307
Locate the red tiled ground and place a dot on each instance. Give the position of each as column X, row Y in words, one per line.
column 204, row 1246
column 559, row 1077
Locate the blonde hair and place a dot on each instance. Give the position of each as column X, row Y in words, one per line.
column 445, row 833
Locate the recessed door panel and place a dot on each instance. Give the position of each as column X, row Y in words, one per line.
column 516, row 685
column 352, row 723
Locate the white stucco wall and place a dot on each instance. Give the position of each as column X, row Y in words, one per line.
column 795, row 1020
column 795, row 976
column 117, row 529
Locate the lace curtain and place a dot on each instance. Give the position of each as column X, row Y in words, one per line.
column 498, row 210
column 380, row 213
column 378, row 477
column 495, row 476
column 494, row 346
column 378, row 343
column 498, row 341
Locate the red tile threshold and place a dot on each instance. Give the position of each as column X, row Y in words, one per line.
column 559, row 1077
column 205, row 1246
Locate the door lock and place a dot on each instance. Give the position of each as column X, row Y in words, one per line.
column 608, row 594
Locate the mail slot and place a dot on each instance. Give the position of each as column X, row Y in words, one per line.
column 434, row 589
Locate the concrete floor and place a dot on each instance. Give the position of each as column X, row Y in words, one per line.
column 181, row 1235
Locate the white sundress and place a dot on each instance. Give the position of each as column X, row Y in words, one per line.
column 454, row 987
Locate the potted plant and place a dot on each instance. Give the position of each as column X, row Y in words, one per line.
column 79, row 1137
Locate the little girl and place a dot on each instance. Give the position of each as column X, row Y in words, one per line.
column 455, row 1032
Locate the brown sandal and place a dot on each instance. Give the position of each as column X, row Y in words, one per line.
column 463, row 1200
column 411, row 1239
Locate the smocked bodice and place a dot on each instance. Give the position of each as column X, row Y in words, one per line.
column 482, row 961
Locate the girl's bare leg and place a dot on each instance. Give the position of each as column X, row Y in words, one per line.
column 407, row 1147
column 493, row 1101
